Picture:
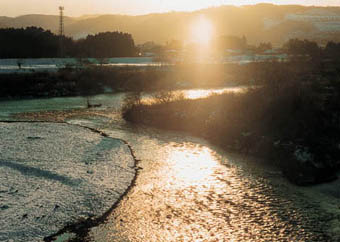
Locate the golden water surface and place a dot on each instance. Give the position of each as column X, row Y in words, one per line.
column 189, row 190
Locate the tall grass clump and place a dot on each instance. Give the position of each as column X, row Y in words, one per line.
column 292, row 119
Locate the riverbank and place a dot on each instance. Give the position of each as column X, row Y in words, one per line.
column 185, row 182
column 291, row 121
column 91, row 80
column 95, row 79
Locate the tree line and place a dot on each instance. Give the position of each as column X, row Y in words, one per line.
column 293, row 47
column 304, row 48
column 33, row 42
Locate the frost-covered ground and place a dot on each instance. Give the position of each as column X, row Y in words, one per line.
column 55, row 174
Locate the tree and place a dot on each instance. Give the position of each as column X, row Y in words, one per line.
column 108, row 44
column 32, row 42
column 264, row 46
column 298, row 47
column 332, row 50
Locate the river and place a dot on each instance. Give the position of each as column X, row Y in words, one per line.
column 54, row 64
column 189, row 190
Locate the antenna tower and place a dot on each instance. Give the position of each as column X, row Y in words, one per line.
column 61, row 31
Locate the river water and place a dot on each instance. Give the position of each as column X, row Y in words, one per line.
column 189, row 190
column 54, row 64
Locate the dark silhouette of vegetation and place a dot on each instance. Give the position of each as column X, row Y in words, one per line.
column 291, row 119
column 31, row 42
column 88, row 79
column 298, row 47
column 332, row 51
column 95, row 79
column 105, row 45
column 262, row 47
column 35, row 42
column 306, row 49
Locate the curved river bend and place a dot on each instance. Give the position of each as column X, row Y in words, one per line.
column 189, row 190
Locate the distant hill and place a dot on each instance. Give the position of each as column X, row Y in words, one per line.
column 44, row 21
column 259, row 23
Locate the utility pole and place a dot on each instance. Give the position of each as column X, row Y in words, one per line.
column 61, row 32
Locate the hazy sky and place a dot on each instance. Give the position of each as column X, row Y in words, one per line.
column 81, row 7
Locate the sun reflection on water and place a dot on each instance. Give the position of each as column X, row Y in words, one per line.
column 203, row 93
column 188, row 190
column 185, row 194
column 196, row 93
column 192, row 165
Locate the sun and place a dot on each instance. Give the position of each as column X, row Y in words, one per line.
column 202, row 31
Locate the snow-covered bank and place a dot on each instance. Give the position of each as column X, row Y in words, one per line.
column 52, row 175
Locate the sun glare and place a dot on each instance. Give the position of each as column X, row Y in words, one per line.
column 202, row 31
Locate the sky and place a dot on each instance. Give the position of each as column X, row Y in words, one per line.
column 133, row 7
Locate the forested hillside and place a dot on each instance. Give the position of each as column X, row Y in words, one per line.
column 262, row 22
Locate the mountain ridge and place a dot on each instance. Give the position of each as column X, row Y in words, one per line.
column 259, row 23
